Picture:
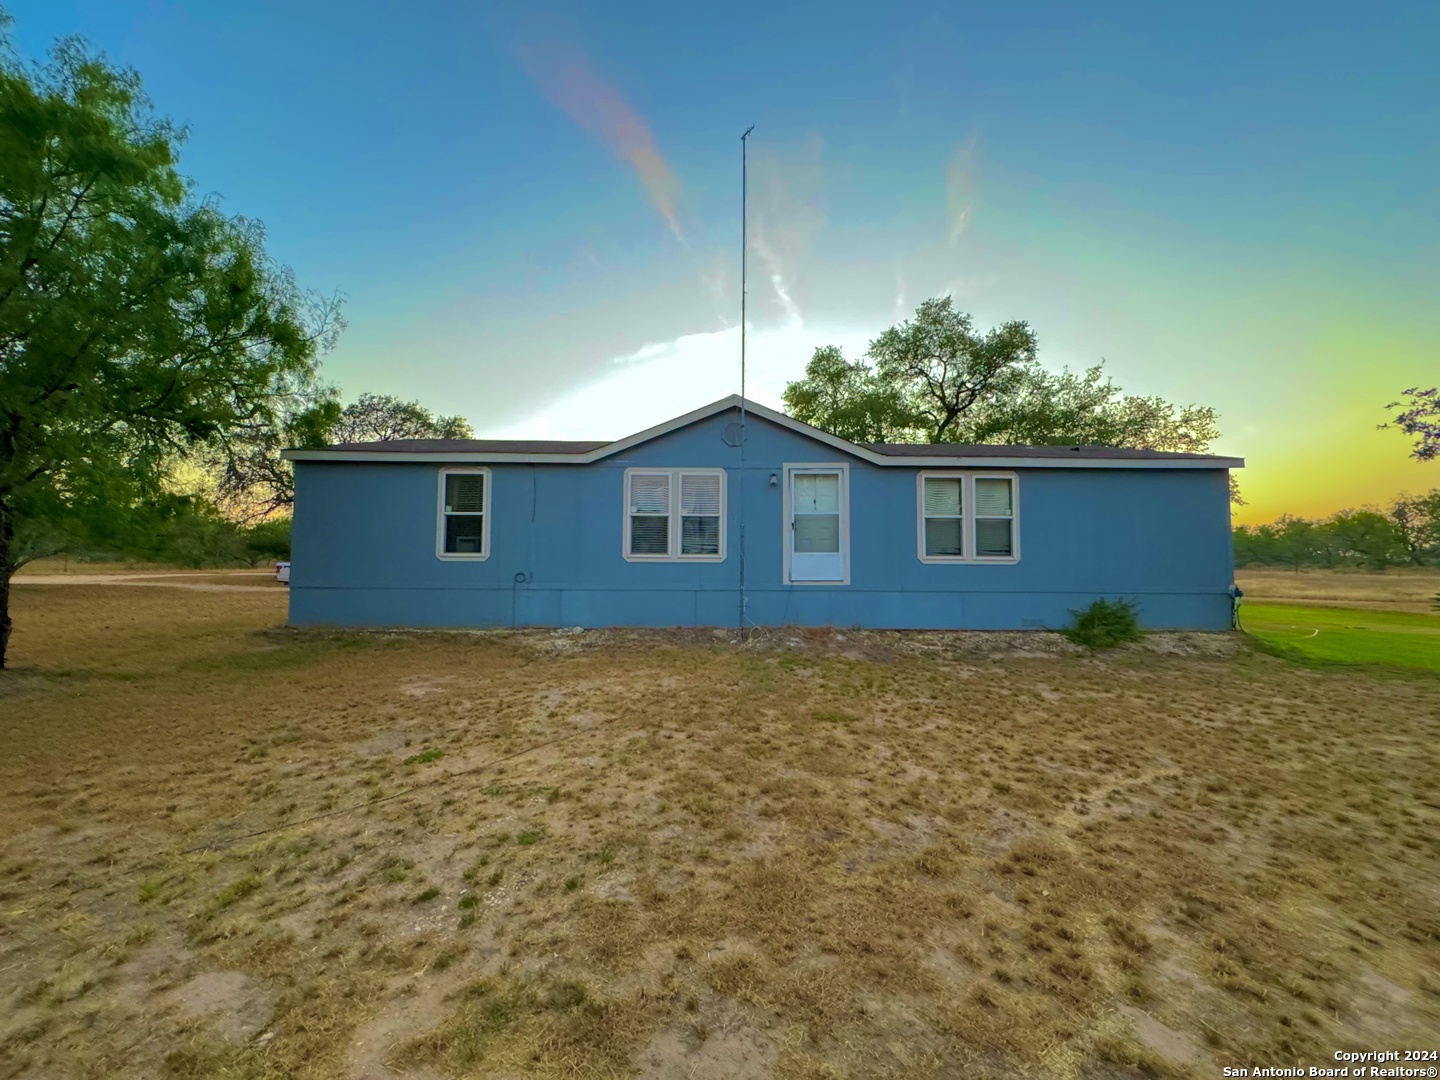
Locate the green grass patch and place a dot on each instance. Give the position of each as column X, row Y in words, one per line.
column 1347, row 635
column 424, row 758
column 236, row 891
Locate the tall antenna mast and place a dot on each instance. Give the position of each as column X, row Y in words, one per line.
column 744, row 193
column 744, row 198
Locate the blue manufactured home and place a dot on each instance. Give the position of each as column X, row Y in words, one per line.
column 726, row 510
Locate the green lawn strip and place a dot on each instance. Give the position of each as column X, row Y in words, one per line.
column 1348, row 635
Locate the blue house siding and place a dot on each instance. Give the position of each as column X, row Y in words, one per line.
column 364, row 546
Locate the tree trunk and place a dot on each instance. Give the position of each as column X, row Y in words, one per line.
column 7, row 538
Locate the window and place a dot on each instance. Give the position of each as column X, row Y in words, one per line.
column 994, row 518
column 943, row 508
column 650, row 514
column 674, row 514
column 967, row 517
column 700, row 514
column 464, row 527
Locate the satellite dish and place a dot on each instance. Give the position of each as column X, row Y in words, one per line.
column 734, row 434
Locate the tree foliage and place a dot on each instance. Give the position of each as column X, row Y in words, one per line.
column 847, row 399
column 179, row 529
column 1418, row 416
column 934, row 378
column 942, row 369
column 383, row 418
column 136, row 321
column 253, row 481
column 1407, row 532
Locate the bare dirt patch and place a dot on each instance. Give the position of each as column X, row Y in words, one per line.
column 235, row 1004
column 807, row 854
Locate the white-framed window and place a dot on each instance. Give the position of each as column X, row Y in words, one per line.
column 463, row 528
column 967, row 517
column 674, row 515
column 942, row 516
column 995, row 517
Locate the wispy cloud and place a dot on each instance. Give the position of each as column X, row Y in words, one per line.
column 776, row 268
column 785, row 217
column 961, row 177
column 565, row 75
column 715, row 279
column 586, row 254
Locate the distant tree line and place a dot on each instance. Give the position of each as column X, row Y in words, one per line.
column 233, row 509
column 1405, row 534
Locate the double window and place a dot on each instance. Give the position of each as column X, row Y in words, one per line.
column 674, row 514
column 463, row 531
column 967, row 517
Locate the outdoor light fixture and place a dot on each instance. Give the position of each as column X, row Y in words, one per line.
column 773, row 481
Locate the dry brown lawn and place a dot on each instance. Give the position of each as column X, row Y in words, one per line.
column 228, row 849
column 1399, row 589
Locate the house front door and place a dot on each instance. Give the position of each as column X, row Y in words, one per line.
column 816, row 528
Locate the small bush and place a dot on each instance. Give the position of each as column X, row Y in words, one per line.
column 1105, row 624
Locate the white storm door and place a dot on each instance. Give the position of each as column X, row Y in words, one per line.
column 816, row 525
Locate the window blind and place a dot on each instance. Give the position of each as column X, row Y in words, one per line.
column 699, row 514
column 944, row 523
column 649, row 513
column 942, row 496
column 994, row 511
column 465, row 493
column 992, row 497
column 649, row 493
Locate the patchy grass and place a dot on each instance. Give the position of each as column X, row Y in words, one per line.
column 819, row 854
column 1348, row 636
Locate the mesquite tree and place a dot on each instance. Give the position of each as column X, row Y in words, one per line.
column 136, row 322
column 1418, row 415
column 935, row 378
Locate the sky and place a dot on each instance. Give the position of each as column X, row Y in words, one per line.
column 533, row 210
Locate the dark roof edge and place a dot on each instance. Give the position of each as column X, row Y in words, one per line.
column 952, row 455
